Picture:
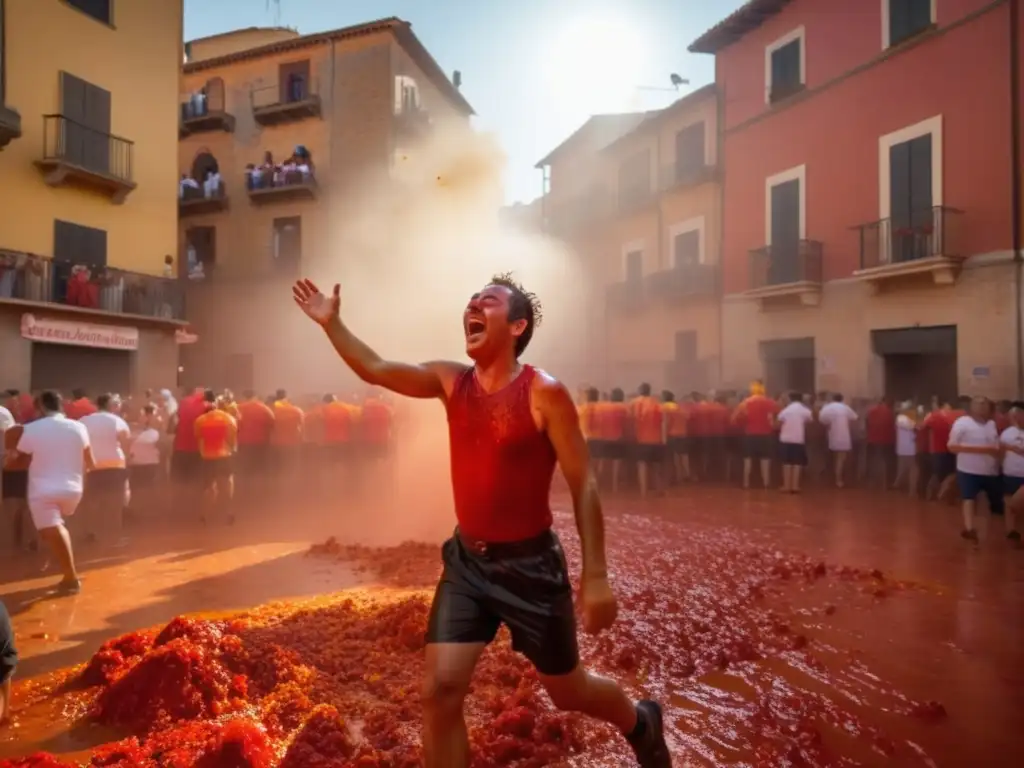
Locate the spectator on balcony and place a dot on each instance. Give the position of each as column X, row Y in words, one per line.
column 82, row 291
column 169, row 266
column 197, row 103
column 8, row 274
column 303, row 162
column 211, row 183
column 296, row 87
column 187, row 183
column 111, row 290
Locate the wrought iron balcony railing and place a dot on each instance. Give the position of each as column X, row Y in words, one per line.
column 683, row 282
column 68, row 142
column 28, row 277
column 293, row 99
column 924, row 234
column 778, row 264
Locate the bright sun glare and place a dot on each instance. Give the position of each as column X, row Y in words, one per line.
column 596, row 64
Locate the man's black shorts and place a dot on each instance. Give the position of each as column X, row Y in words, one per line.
column 8, row 654
column 14, row 484
column 649, row 453
column 792, row 454
column 523, row 585
column 185, row 466
column 943, row 464
column 252, row 458
column 598, row 449
column 758, row 446
column 680, row 446
column 217, row 469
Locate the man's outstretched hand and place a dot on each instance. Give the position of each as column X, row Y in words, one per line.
column 319, row 307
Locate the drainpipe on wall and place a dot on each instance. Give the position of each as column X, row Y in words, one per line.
column 1015, row 185
column 719, row 162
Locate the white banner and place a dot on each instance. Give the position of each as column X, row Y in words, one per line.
column 79, row 334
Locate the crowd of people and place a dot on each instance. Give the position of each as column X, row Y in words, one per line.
column 974, row 447
column 102, row 457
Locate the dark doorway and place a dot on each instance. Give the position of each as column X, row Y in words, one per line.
column 789, row 364
column 910, row 195
column 65, row 367
column 920, row 363
column 200, row 253
column 784, row 266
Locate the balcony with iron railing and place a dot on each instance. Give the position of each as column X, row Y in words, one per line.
column 924, row 243
column 28, row 278
column 678, row 175
column 74, row 153
column 204, row 112
column 682, row 283
column 635, row 197
column 193, row 201
column 626, row 296
column 270, row 186
column 296, row 98
column 783, row 271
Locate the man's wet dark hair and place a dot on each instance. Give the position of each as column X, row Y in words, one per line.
column 667, row 396
column 13, row 393
column 522, row 305
column 103, row 401
column 618, row 395
column 964, row 401
column 209, row 396
column 795, row 397
column 149, row 409
column 77, row 394
column 1017, row 405
column 592, row 394
column 270, row 400
column 50, row 401
column 837, row 398
column 280, row 394
column 328, row 398
column 644, row 390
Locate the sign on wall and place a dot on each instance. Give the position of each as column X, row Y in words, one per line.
column 79, row 334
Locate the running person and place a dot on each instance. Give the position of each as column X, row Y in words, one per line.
column 508, row 424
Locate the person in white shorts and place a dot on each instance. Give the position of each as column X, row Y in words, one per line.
column 61, row 456
column 106, row 488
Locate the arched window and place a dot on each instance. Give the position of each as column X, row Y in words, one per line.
column 203, row 164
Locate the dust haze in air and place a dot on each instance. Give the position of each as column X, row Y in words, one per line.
column 410, row 256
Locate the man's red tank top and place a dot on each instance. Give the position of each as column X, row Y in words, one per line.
column 502, row 464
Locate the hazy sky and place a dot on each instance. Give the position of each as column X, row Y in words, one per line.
column 534, row 70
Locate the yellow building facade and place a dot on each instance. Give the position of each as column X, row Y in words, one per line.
column 89, row 128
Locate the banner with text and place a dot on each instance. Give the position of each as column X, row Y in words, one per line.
column 79, row 334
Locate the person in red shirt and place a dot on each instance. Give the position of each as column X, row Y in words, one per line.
column 509, row 425
column 880, row 433
column 936, row 426
column 757, row 415
column 186, row 463
column 80, row 405
column 216, row 434
column 613, row 417
column 716, row 422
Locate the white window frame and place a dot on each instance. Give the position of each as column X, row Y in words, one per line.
column 798, row 173
column 632, row 247
column 795, row 34
column 933, row 127
column 403, row 83
column 696, row 224
column 885, row 22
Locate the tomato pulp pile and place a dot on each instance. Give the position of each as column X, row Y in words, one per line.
column 336, row 683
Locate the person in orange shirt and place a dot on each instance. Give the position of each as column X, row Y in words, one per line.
column 79, row 406
column 649, row 433
column 287, row 438
column 676, row 417
column 217, row 437
column 255, row 426
column 375, row 428
column 757, row 415
column 613, row 426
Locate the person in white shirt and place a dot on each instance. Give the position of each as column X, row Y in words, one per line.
column 144, row 460
column 793, row 421
column 975, row 441
column 1012, row 442
column 106, row 488
column 187, row 183
column 906, row 448
column 837, row 416
column 61, row 456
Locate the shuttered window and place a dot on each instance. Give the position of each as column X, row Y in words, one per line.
column 86, row 139
column 75, row 244
column 908, row 18
column 97, row 9
column 786, row 77
column 293, row 78
column 686, row 247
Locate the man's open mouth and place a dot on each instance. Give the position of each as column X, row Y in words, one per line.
column 475, row 326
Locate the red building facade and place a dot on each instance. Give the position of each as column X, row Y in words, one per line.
column 868, row 195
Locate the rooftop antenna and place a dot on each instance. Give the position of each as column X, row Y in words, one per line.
column 676, row 80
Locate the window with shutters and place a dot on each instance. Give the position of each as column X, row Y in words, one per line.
column 294, row 82
column 784, row 66
column 85, row 136
column 634, row 267
column 76, row 244
column 690, row 150
column 287, row 245
column 101, row 10
column 903, row 19
column 686, row 249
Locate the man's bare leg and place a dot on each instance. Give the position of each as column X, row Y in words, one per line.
column 449, row 670
column 59, row 542
column 599, row 697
